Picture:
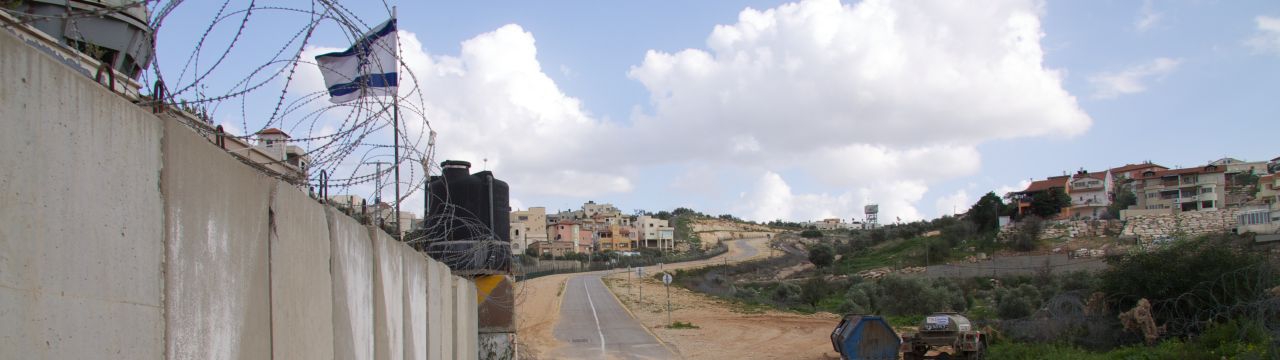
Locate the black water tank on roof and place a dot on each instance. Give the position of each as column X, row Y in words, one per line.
column 467, row 220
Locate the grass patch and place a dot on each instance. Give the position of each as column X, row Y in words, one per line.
column 682, row 325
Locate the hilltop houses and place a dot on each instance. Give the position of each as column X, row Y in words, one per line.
column 593, row 228
column 1158, row 189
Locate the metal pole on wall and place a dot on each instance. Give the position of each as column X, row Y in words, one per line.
column 395, row 125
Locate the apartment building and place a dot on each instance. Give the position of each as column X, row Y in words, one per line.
column 1269, row 190
column 1091, row 194
column 520, row 237
column 591, row 209
column 1023, row 198
column 1189, row 189
column 654, row 233
column 1134, row 171
column 535, row 219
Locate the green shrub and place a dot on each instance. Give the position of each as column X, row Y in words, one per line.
column 812, row 234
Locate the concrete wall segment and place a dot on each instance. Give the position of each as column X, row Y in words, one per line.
column 216, row 268
column 388, row 296
column 301, row 285
column 352, row 270
column 81, row 243
column 416, row 276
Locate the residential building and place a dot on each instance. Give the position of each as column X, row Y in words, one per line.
column 1189, row 189
column 553, row 248
column 273, row 142
column 1023, row 198
column 1090, row 193
column 1273, row 166
column 591, row 209
column 1134, row 171
column 347, row 201
column 654, row 233
column 613, row 237
column 829, row 224
column 1269, row 190
column 520, row 237
column 535, row 220
column 1237, row 166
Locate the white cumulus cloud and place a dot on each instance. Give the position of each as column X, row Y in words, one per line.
column 860, row 96
column 1267, row 38
column 1110, row 85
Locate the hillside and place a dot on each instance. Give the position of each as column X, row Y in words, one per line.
column 712, row 231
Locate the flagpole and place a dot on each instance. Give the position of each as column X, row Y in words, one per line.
column 395, row 124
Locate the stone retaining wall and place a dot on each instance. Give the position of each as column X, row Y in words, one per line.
column 1191, row 223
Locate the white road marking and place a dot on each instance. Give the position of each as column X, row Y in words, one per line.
column 597, row 317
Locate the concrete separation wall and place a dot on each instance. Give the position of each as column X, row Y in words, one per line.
column 217, row 293
column 439, row 341
column 301, row 286
column 81, row 235
column 352, row 269
column 465, row 327
column 416, row 276
column 388, row 296
column 125, row 234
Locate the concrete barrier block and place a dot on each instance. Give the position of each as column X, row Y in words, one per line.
column 352, row 271
column 388, row 297
column 464, row 319
column 216, row 269
column 416, row 276
column 81, row 221
column 448, row 316
column 437, row 332
column 301, row 286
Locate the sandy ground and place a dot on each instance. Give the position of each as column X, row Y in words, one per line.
column 725, row 330
column 537, row 311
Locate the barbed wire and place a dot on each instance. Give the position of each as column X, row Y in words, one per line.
column 238, row 82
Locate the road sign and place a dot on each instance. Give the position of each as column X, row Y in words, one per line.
column 666, row 279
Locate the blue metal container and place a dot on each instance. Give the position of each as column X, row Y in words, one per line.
column 865, row 337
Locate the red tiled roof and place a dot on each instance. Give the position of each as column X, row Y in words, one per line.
column 1132, row 167
column 1042, row 185
column 1093, row 175
column 1195, row 170
column 273, row 131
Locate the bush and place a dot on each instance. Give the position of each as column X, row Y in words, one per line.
column 786, row 293
column 812, row 234
column 1018, row 302
column 1208, row 267
column 1028, row 234
column 821, row 255
column 911, row 296
column 814, row 290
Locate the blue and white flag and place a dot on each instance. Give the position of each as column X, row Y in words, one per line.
column 368, row 68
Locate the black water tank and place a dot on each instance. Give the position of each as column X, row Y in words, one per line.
column 468, row 220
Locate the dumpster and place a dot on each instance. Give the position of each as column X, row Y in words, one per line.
column 865, row 337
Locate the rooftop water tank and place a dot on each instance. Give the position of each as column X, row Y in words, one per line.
column 467, row 223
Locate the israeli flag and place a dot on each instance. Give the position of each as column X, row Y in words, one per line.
column 368, row 68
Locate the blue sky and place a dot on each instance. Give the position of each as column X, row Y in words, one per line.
column 589, row 100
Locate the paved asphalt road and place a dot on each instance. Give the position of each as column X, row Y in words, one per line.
column 594, row 325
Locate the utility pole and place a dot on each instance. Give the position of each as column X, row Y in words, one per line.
column 377, row 184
